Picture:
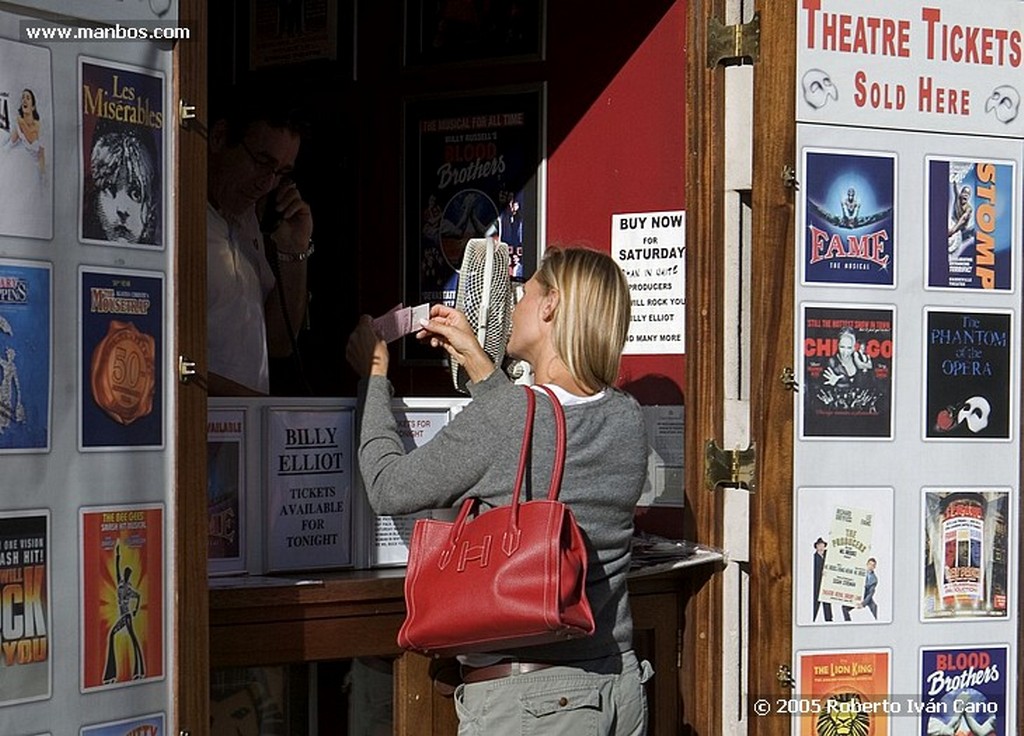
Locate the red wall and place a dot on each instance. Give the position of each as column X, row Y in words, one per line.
column 617, row 139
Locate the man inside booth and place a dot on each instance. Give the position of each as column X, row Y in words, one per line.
column 258, row 231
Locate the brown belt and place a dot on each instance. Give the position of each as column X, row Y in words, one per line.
column 502, row 669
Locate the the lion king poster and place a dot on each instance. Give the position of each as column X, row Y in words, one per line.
column 848, row 690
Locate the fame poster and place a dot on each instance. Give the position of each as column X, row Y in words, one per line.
column 472, row 171
column 851, row 688
column 122, row 595
column 150, row 725
column 26, row 141
column 122, row 125
column 226, row 490
column 963, row 690
column 849, row 218
column 966, row 554
column 26, row 662
column 971, row 231
column 968, row 390
column 121, row 354
column 26, row 355
column 847, row 354
column 309, row 471
column 843, row 572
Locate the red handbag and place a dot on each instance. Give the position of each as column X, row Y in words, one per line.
column 513, row 576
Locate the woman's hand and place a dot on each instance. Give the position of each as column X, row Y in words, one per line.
column 295, row 225
column 448, row 328
column 830, row 377
column 365, row 352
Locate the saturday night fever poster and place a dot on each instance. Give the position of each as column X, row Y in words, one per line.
column 122, row 595
column 26, row 356
column 849, row 216
column 971, row 231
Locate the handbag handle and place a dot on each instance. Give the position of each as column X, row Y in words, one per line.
column 559, row 464
column 510, row 539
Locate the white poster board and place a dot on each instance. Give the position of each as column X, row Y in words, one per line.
column 650, row 248
column 45, row 470
column 910, row 144
column 309, row 478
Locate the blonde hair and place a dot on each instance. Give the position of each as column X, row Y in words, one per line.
column 592, row 317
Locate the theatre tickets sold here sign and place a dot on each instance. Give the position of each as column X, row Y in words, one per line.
column 650, row 247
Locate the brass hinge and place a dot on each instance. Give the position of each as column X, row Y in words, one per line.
column 785, row 676
column 735, row 43
column 729, row 467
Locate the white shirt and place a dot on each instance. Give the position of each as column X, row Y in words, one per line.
column 238, row 280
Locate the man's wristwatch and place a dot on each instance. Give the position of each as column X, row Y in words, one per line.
column 297, row 257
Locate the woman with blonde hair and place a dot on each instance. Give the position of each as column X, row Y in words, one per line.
column 571, row 326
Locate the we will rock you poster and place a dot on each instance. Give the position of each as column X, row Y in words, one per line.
column 26, row 659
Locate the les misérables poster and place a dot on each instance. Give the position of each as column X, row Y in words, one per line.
column 122, row 595
column 26, row 663
column 122, row 154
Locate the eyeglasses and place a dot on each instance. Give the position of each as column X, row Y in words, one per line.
column 265, row 165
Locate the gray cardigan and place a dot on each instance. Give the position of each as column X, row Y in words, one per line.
column 477, row 453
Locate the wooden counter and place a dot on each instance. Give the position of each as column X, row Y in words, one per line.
column 340, row 615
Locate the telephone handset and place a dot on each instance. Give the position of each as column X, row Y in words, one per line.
column 269, row 221
column 271, row 217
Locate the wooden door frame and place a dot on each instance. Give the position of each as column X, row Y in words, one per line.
column 771, row 403
column 190, row 639
column 702, row 638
